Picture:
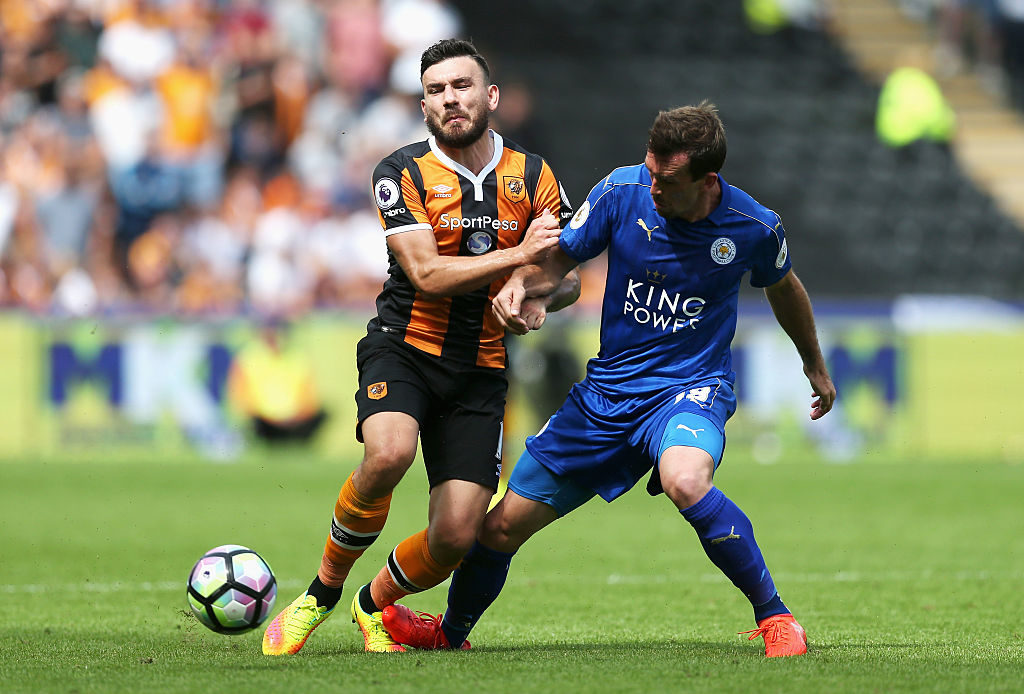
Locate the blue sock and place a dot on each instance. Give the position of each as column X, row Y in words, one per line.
column 727, row 536
column 773, row 606
column 475, row 585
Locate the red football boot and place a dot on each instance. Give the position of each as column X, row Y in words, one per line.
column 417, row 629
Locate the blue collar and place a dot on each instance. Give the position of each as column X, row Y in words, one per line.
column 717, row 216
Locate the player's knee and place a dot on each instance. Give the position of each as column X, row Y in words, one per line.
column 449, row 542
column 382, row 469
column 502, row 533
column 685, row 487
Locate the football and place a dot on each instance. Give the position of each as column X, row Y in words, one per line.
column 231, row 589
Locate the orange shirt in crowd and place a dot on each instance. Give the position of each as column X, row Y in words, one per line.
column 188, row 95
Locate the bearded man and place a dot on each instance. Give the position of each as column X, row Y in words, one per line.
column 460, row 212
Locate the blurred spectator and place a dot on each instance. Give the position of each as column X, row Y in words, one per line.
column 142, row 191
column 410, row 26
column 274, row 385
column 274, row 283
column 300, row 31
column 293, row 86
column 123, row 115
column 72, row 109
column 189, row 142
column 8, row 210
column 78, row 36
column 770, row 16
column 214, row 252
column 31, row 58
column 982, row 36
column 24, row 267
column 151, row 263
column 1011, row 30
column 967, row 34
column 344, row 252
column 251, row 56
column 15, row 104
column 316, row 155
column 394, row 117
column 137, row 43
column 911, row 106
column 9, row 207
column 357, row 55
column 65, row 215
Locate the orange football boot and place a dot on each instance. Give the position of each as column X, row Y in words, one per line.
column 782, row 634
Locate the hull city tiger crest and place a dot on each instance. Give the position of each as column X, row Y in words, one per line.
column 377, row 391
column 515, row 188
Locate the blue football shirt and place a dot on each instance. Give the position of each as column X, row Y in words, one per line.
column 671, row 295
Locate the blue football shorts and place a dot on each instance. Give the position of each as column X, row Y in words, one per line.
column 600, row 445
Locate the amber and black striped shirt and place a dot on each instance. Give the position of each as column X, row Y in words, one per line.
column 419, row 187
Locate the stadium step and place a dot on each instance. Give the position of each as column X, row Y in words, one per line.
column 989, row 143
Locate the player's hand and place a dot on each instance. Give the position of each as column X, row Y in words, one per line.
column 506, row 306
column 823, row 392
column 533, row 312
column 541, row 236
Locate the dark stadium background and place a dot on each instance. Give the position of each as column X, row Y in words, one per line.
column 865, row 221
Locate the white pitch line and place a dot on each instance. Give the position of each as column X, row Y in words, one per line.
column 836, row 577
column 118, row 587
column 611, row 579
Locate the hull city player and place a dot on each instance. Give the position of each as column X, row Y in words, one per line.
column 460, row 211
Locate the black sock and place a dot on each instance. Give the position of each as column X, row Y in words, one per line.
column 326, row 596
column 366, row 600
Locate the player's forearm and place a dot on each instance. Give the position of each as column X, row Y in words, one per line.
column 792, row 308
column 454, row 275
column 535, row 281
column 566, row 293
column 548, row 277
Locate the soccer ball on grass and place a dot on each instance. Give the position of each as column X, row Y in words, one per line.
column 231, row 589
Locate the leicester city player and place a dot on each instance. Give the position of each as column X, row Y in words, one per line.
column 658, row 394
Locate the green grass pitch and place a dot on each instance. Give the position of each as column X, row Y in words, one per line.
column 907, row 576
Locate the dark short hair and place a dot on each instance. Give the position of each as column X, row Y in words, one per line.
column 695, row 131
column 452, row 48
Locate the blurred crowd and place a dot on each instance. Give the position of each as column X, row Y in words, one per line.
column 984, row 37
column 201, row 157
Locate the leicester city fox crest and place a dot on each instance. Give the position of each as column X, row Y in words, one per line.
column 723, row 250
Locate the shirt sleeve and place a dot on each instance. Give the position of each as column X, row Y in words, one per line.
column 589, row 230
column 399, row 205
column 771, row 258
column 551, row 196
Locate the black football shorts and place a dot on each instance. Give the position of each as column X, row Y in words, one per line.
column 459, row 407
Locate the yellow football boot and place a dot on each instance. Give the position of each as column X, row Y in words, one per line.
column 288, row 632
column 376, row 638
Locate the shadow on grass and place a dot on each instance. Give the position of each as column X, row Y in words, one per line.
column 612, row 650
column 599, row 650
